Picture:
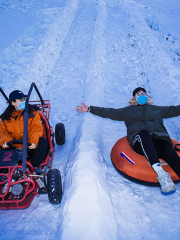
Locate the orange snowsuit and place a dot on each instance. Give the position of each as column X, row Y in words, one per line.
column 13, row 129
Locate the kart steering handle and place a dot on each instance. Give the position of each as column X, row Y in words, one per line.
column 16, row 141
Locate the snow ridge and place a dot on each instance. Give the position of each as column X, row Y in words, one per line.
column 87, row 155
column 45, row 57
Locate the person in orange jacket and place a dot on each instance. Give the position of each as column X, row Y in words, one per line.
column 12, row 124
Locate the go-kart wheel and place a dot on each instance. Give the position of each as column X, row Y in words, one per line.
column 60, row 135
column 54, row 186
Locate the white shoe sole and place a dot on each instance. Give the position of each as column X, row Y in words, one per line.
column 170, row 189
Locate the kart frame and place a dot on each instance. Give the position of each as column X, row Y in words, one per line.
column 21, row 176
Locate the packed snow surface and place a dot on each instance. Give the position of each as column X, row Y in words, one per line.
column 97, row 52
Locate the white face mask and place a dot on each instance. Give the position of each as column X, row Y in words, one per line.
column 22, row 105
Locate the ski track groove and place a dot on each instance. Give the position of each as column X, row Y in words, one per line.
column 47, row 53
column 94, row 74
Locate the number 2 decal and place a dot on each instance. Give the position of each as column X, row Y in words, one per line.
column 7, row 158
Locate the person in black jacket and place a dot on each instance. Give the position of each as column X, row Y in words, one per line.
column 146, row 132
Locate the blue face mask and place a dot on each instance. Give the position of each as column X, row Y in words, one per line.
column 22, row 105
column 142, row 99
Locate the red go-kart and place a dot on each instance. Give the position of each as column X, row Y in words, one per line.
column 19, row 183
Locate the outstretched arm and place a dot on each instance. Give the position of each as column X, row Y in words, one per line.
column 114, row 114
column 83, row 108
column 170, row 111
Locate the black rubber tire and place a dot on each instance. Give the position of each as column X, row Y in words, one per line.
column 60, row 135
column 54, row 186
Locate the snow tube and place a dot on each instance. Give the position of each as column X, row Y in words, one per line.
column 135, row 165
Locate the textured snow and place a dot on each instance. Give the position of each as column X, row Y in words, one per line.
column 97, row 52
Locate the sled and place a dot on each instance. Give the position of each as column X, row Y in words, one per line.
column 135, row 166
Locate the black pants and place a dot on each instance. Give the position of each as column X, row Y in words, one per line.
column 38, row 154
column 153, row 149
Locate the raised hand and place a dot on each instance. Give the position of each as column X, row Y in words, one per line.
column 83, row 108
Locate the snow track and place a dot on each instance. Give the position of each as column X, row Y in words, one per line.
column 88, row 182
column 97, row 52
column 47, row 52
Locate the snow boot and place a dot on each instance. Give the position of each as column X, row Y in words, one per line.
column 165, row 181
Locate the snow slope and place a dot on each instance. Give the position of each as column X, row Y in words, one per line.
column 97, row 52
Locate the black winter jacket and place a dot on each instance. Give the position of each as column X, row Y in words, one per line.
column 140, row 117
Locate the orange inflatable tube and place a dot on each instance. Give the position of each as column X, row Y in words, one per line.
column 135, row 165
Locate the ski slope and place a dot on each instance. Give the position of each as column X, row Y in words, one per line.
column 97, row 52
